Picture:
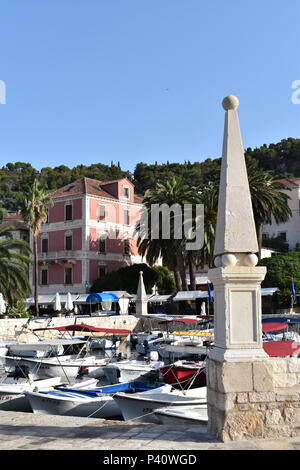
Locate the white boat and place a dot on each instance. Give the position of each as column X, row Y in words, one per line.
column 72, row 404
column 152, row 343
column 163, row 343
column 141, row 406
column 12, row 396
column 182, row 415
column 4, row 345
column 128, row 370
column 181, row 349
column 12, row 391
column 43, row 348
column 66, row 367
column 105, row 344
column 96, row 403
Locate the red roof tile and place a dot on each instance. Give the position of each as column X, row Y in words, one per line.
column 290, row 182
column 85, row 186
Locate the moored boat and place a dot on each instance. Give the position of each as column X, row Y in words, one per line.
column 182, row 415
column 66, row 367
column 128, row 370
column 185, row 374
column 12, row 391
column 141, row 406
column 96, row 403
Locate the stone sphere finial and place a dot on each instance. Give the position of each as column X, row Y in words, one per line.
column 230, row 102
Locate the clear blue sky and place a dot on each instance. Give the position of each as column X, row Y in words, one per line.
column 92, row 81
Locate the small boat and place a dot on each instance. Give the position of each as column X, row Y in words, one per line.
column 152, row 343
column 182, row 415
column 185, row 374
column 12, row 391
column 278, row 331
column 181, row 349
column 95, row 403
column 4, row 345
column 100, row 338
column 12, row 396
column 105, row 344
column 141, row 406
column 282, row 348
column 67, row 367
column 43, row 348
column 128, row 370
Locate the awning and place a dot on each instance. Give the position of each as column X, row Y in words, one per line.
column 120, row 294
column 199, row 294
column 149, row 296
column 80, row 299
column 102, row 297
column 160, row 298
column 282, row 348
column 269, row 290
column 88, row 328
column 190, row 295
column 47, row 299
column 268, row 327
column 42, row 299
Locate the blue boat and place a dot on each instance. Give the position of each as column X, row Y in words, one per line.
column 95, row 403
column 128, row 387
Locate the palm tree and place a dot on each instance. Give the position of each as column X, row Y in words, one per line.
column 268, row 200
column 35, row 212
column 14, row 262
column 208, row 196
column 173, row 191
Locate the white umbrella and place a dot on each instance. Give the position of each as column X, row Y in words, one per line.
column 69, row 302
column 57, row 303
column 2, row 304
column 123, row 303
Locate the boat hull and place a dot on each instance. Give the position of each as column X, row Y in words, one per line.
column 44, row 368
column 13, row 402
column 103, row 407
column 140, row 407
column 184, row 376
column 182, row 416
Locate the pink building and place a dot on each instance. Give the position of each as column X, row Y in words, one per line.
column 89, row 232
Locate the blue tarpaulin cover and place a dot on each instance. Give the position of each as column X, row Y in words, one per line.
column 102, row 297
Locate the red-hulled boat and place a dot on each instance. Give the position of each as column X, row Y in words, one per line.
column 185, row 374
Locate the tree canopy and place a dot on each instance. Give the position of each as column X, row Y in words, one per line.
column 127, row 279
column 281, row 270
column 281, row 160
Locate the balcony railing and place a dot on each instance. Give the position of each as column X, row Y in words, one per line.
column 58, row 255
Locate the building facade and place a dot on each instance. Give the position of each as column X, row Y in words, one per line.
column 89, row 232
column 289, row 231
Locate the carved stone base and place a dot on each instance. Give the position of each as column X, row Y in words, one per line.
column 244, row 401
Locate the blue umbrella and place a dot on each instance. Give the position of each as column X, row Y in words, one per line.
column 102, row 297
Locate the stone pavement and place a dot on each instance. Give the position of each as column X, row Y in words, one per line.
column 26, row 431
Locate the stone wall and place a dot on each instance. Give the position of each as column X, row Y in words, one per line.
column 22, row 327
column 254, row 399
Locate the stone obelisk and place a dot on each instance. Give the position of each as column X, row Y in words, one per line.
column 141, row 303
column 236, row 280
column 242, row 397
